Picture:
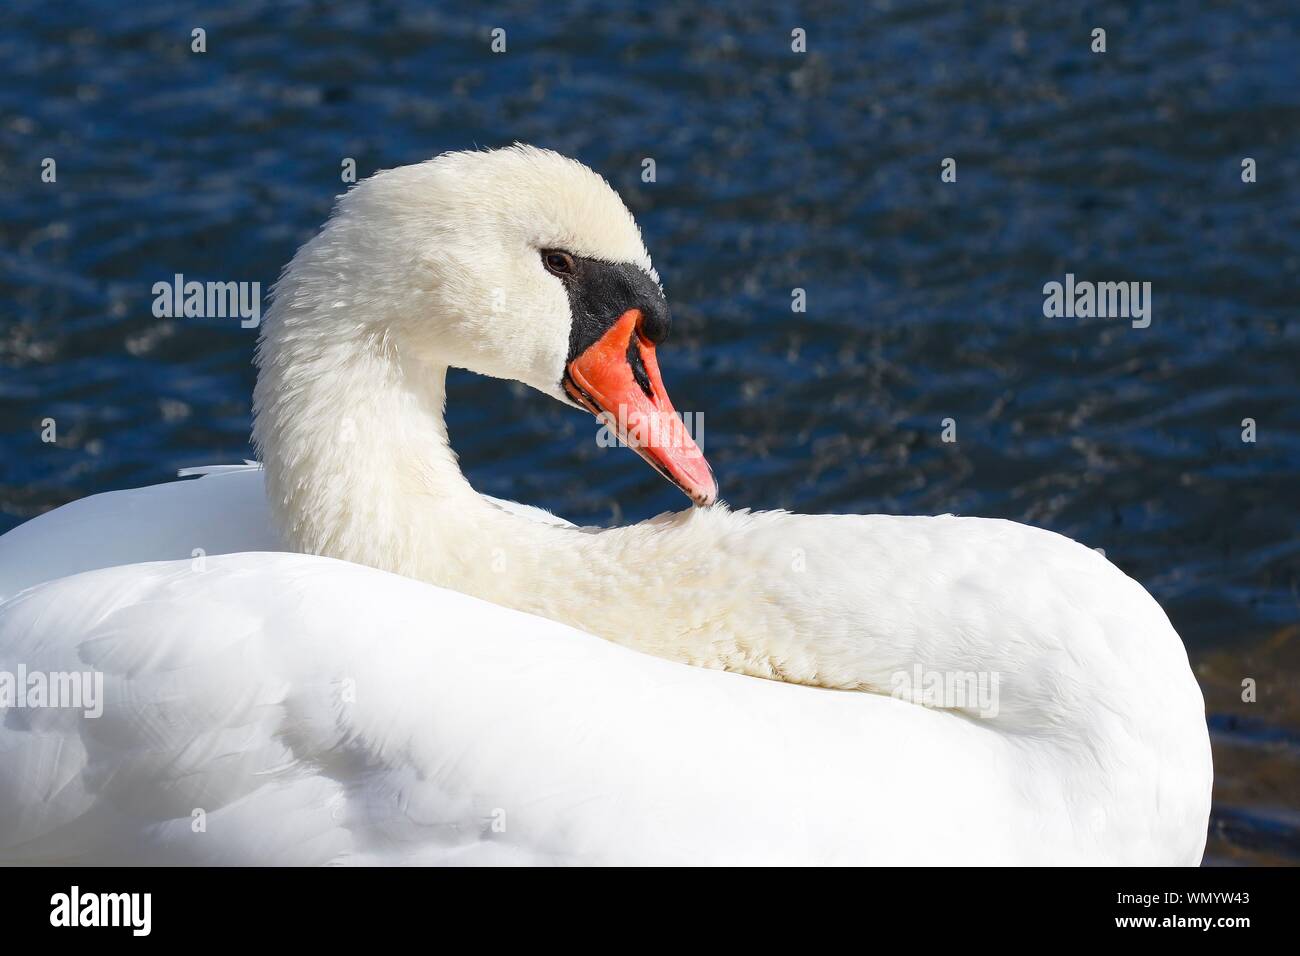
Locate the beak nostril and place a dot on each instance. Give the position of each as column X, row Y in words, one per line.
column 653, row 325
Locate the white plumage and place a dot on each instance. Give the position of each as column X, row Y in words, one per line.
column 309, row 709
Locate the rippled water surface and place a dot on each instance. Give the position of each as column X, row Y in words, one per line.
column 775, row 170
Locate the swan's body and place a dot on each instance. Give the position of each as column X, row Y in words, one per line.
column 1094, row 749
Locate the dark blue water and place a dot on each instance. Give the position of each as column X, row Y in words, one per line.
column 775, row 170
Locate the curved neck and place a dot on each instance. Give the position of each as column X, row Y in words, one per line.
column 359, row 465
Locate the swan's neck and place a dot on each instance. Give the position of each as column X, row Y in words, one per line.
column 359, row 467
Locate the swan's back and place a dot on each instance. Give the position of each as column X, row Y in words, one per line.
column 281, row 708
column 312, row 711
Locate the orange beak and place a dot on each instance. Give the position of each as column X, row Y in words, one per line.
column 604, row 379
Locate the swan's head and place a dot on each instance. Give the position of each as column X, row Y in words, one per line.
column 520, row 264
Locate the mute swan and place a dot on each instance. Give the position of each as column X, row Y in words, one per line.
column 423, row 680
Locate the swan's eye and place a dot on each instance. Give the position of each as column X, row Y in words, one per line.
column 558, row 263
